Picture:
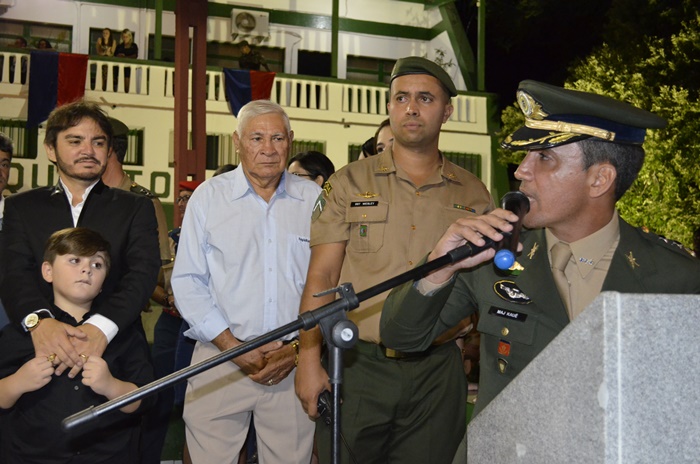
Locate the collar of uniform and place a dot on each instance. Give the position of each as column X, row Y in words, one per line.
column 588, row 251
column 383, row 163
column 448, row 170
column 125, row 183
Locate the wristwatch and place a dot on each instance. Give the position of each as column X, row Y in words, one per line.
column 31, row 320
column 295, row 345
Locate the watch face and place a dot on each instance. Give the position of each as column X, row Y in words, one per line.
column 31, row 320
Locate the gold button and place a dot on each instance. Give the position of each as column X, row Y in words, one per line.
column 413, row 227
column 364, row 216
column 410, row 263
column 417, row 194
column 504, row 331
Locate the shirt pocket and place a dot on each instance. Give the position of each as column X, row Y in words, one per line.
column 510, row 329
column 298, row 255
column 367, row 226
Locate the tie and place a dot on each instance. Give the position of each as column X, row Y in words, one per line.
column 561, row 253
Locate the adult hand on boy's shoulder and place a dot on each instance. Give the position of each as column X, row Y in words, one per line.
column 94, row 344
column 52, row 337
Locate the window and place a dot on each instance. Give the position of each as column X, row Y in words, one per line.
column 299, row 146
column 362, row 68
column 225, row 55
column 58, row 36
column 314, row 63
column 25, row 140
column 167, row 48
column 469, row 161
column 134, row 152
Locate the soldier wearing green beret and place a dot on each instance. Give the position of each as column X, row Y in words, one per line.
column 583, row 152
column 377, row 218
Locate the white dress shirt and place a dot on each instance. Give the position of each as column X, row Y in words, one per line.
column 241, row 262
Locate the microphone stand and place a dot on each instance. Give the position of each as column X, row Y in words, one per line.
column 338, row 332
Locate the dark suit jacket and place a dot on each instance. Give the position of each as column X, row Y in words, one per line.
column 520, row 314
column 126, row 220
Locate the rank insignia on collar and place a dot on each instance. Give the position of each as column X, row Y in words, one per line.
column 509, row 291
column 633, row 262
column 533, row 250
column 367, row 195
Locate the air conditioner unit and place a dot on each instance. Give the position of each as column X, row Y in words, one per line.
column 249, row 24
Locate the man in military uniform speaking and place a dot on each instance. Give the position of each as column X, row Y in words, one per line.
column 583, row 152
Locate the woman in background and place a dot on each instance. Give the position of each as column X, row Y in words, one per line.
column 127, row 49
column 106, row 45
column 313, row 165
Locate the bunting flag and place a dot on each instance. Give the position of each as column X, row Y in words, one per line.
column 54, row 79
column 244, row 86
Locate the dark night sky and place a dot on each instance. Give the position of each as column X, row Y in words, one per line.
column 539, row 43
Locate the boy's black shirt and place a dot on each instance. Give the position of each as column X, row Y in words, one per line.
column 31, row 431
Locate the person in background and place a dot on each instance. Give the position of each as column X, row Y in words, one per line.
column 126, row 49
column 6, row 150
column 224, row 168
column 115, row 177
column 583, row 152
column 171, row 350
column 384, row 137
column 368, row 149
column 376, row 219
column 233, row 288
column 106, row 46
column 251, row 59
column 76, row 263
column 43, row 44
column 312, row 165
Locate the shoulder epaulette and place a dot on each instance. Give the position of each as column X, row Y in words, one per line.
column 136, row 188
column 666, row 242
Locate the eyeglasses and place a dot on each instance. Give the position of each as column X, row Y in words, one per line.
column 182, row 199
column 302, row 175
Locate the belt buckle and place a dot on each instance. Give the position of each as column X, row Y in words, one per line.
column 393, row 354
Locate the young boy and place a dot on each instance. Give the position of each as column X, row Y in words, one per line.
column 35, row 401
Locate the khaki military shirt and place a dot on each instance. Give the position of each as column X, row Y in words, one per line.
column 131, row 186
column 389, row 224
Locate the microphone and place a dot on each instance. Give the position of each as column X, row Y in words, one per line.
column 515, row 202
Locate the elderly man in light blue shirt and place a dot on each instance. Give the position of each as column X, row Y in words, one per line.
column 240, row 271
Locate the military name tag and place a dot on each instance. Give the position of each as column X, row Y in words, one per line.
column 355, row 204
column 512, row 315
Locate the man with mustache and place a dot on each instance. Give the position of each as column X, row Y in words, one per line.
column 583, row 152
column 78, row 139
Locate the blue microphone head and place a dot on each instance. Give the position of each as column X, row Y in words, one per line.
column 504, row 259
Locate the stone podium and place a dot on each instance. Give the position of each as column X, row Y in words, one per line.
column 621, row 384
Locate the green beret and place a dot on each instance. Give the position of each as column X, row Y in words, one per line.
column 557, row 116
column 119, row 129
column 418, row 65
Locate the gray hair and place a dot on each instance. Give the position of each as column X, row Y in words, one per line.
column 255, row 108
column 627, row 160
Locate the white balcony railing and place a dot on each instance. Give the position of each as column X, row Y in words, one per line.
column 156, row 82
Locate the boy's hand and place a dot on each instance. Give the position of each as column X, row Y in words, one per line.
column 96, row 375
column 35, row 373
column 93, row 344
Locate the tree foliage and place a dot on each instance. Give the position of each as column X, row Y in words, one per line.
column 661, row 74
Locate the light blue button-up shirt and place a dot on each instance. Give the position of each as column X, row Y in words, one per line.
column 241, row 262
